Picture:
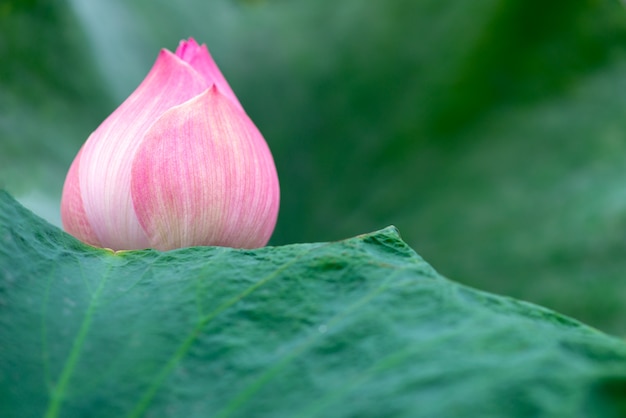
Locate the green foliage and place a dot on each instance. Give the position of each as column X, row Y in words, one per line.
column 489, row 131
column 361, row 327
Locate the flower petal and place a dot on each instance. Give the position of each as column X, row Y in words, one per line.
column 73, row 213
column 205, row 165
column 110, row 149
column 199, row 57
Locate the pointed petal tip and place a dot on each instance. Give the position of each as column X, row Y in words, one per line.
column 188, row 49
column 200, row 59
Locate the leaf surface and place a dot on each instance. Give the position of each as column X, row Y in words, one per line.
column 361, row 327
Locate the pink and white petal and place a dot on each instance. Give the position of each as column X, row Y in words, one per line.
column 105, row 164
column 205, row 176
column 73, row 214
column 199, row 57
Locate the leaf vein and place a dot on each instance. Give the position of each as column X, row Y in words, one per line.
column 58, row 393
column 144, row 401
column 247, row 392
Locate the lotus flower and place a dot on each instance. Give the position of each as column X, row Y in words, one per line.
column 178, row 164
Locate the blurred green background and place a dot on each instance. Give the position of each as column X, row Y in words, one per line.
column 492, row 133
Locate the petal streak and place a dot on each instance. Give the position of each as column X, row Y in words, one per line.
column 205, row 176
column 106, row 198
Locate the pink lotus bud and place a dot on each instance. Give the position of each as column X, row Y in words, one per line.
column 178, row 164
